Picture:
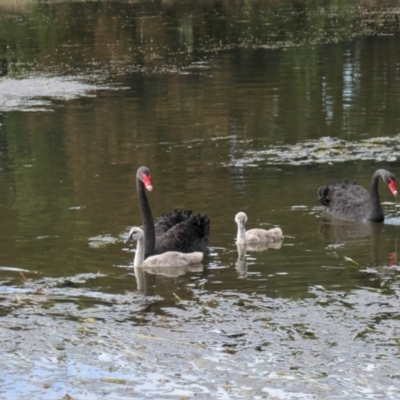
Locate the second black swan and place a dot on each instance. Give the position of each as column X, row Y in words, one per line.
column 179, row 231
column 352, row 202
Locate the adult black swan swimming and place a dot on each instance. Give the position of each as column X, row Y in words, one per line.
column 349, row 201
column 180, row 231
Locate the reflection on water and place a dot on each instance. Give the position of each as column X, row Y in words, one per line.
column 145, row 276
column 233, row 106
column 241, row 263
column 355, row 234
column 339, row 231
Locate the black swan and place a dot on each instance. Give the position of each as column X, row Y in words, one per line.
column 255, row 235
column 180, row 231
column 349, row 201
column 167, row 259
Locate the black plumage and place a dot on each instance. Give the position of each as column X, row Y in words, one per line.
column 350, row 201
column 179, row 231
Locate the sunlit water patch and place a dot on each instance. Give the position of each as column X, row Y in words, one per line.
column 229, row 344
column 102, row 241
column 15, row 269
column 392, row 220
column 37, row 93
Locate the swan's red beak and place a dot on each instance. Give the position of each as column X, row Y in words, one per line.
column 147, row 182
column 392, row 187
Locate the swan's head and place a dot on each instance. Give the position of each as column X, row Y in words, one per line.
column 135, row 234
column 392, row 187
column 143, row 174
column 392, row 184
column 389, row 178
column 241, row 219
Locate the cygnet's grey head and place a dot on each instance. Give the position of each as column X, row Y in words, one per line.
column 241, row 218
column 135, row 234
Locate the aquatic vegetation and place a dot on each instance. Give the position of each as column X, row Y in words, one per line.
column 324, row 150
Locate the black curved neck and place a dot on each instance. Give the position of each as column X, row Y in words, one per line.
column 376, row 208
column 147, row 219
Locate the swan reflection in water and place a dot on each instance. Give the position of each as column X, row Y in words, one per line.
column 337, row 231
column 242, row 249
column 145, row 276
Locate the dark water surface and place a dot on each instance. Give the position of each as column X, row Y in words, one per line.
column 234, row 107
